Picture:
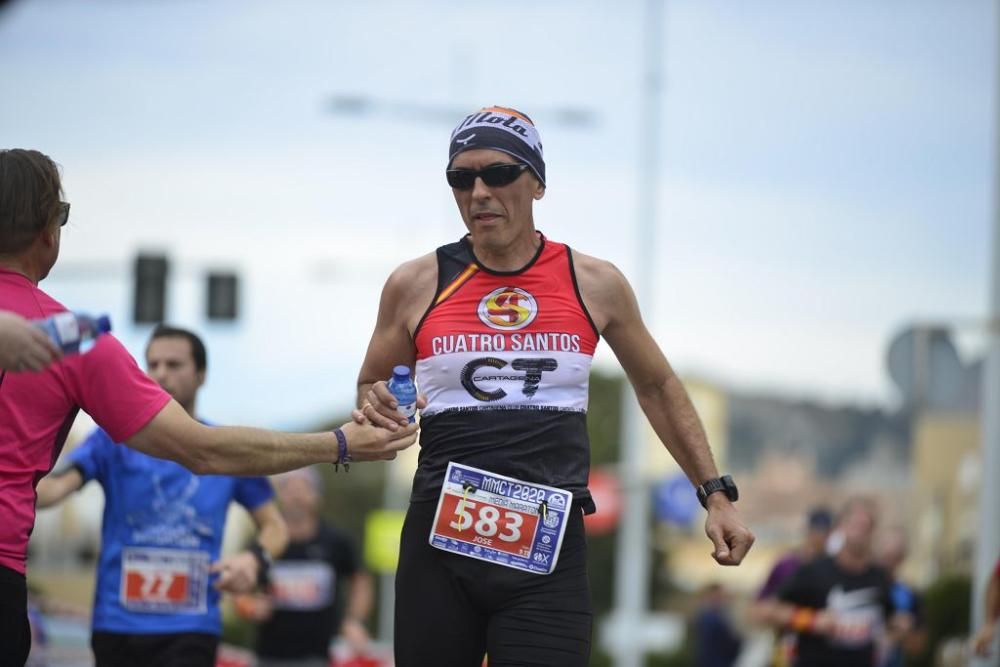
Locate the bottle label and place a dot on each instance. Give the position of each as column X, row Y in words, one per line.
column 408, row 410
column 66, row 327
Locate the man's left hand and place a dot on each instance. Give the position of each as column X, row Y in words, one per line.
column 237, row 573
column 723, row 526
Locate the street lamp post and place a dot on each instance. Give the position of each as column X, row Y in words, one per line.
column 988, row 547
column 632, row 551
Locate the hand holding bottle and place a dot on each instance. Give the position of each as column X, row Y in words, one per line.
column 391, row 404
column 24, row 347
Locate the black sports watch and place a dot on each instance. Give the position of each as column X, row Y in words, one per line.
column 724, row 484
column 263, row 563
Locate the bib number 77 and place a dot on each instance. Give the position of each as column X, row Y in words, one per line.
column 487, row 522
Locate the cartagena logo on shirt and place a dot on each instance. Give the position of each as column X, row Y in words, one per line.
column 508, row 309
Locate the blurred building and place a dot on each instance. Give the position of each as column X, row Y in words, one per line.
column 944, row 499
column 788, row 455
column 940, row 393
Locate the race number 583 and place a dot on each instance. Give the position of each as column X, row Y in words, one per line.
column 488, row 521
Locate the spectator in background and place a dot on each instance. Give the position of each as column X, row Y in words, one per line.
column 841, row 605
column 819, row 521
column 982, row 643
column 318, row 587
column 818, row 524
column 716, row 643
column 891, row 553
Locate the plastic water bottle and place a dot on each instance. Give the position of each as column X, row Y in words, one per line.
column 74, row 332
column 402, row 387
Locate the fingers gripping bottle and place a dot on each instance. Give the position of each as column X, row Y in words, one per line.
column 402, row 387
column 74, row 332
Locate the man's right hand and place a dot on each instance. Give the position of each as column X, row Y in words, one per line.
column 380, row 408
column 366, row 442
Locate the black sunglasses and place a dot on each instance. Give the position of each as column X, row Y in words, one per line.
column 63, row 215
column 495, row 176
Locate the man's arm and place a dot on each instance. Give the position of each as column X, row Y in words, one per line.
column 54, row 489
column 239, row 573
column 405, row 297
column 359, row 606
column 662, row 396
column 237, row 450
column 272, row 531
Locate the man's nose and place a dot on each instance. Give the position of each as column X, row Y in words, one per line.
column 480, row 190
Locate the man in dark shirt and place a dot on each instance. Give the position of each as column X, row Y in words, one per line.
column 840, row 606
column 319, row 589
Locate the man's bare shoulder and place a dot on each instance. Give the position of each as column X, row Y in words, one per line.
column 604, row 289
column 410, row 289
column 413, row 276
column 598, row 276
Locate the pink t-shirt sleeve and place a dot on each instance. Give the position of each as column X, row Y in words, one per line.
column 111, row 388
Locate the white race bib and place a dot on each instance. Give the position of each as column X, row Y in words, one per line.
column 164, row 580
column 500, row 519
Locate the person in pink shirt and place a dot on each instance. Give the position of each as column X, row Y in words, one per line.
column 37, row 409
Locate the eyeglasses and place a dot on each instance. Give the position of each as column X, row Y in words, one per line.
column 495, row 176
column 63, row 215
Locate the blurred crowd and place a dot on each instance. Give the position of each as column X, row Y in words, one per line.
column 837, row 599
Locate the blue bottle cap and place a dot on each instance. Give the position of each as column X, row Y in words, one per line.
column 401, row 371
column 103, row 324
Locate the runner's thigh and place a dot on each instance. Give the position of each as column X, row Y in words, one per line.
column 549, row 620
column 436, row 622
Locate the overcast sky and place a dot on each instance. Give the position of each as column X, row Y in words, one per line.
column 826, row 169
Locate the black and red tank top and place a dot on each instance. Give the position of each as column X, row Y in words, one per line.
column 504, row 360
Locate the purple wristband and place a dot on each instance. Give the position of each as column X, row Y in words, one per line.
column 342, row 456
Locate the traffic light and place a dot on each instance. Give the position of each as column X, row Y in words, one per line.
column 223, row 296
column 150, row 289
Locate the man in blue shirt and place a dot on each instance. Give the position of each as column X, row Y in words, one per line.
column 160, row 576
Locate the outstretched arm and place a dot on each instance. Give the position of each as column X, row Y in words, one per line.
column 237, row 450
column 54, row 489
column 661, row 395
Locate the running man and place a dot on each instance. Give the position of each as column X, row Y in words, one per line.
column 159, row 576
column 840, row 606
column 501, row 327
column 319, row 587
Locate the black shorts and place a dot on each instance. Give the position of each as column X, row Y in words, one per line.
column 452, row 609
column 15, row 632
column 181, row 649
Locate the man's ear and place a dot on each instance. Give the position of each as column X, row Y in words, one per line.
column 50, row 236
column 201, row 378
column 539, row 191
